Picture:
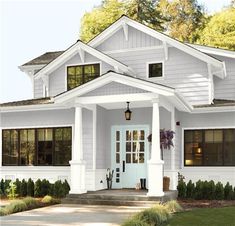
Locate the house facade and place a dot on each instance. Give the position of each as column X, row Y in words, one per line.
column 75, row 127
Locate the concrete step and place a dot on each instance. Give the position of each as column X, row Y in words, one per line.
column 108, row 202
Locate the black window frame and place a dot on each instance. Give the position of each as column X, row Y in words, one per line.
column 36, row 146
column 150, row 70
column 82, row 66
column 203, row 148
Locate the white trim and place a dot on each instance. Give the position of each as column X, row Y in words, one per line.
column 36, row 127
column 199, row 128
column 215, row 51
column 80, row 64
column 186, row 48
column 134, row 49
column 33, row 67
column 213, row 109
column 73, row 50
column 211, row 84
column 94, row 133
column 163, row 70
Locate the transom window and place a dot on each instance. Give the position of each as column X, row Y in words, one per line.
column 213, row 147
column 42, row 146
column 155, row 70
column 80, row 74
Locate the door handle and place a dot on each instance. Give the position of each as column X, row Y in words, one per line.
column 123, row 166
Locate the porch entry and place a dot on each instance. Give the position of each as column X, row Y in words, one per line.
column 130, row 152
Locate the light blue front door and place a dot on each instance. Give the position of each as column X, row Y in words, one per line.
column 129, row 155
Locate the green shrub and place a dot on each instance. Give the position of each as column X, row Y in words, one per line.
column 228, row 191
column 6, row 186
column 11, row 191
column 199, row 190
column 66, row 187
column 31, row 202
column 211, row 187
column 2, row 187
column 234, row 193
column 205, row 190
column 182, row 189
column 49, row 200
column 51, row 191
column 23, row 188
column 37, row 188
column 134, row 222
column 45, row 187
column 15, row 206
column 219, row 191
column 59, row 189
column 173, row 206
column 18, row 185
column 190, row 190
column 30, row 187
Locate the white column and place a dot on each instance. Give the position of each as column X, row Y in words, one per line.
column 77, row 164
column 155, row 164
column 173, row 182
column 94, row 136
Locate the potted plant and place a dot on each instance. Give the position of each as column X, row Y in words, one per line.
column 166, row 142
column 109, row 178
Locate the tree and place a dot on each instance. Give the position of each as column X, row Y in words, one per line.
column 220, row 30
column 101, row 17
column 184, row 18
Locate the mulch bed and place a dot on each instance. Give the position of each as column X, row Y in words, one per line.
column 188, row 204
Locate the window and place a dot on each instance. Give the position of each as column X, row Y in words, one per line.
column 78, row 75
column 43, row 147
column 213, row 147
column 155, row 70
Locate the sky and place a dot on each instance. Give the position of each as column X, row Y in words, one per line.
column 28, row 28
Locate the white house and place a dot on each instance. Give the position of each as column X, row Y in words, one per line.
column 75, row 127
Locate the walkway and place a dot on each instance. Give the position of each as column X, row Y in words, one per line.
column 64, row 215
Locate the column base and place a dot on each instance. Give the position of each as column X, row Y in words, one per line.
column 155, row 178
column 78, row 170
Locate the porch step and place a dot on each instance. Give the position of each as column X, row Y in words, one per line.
column 117, row 198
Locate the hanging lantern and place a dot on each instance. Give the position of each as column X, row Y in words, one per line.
column 128, row 112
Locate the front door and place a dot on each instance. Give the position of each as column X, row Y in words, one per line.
column 129, row 155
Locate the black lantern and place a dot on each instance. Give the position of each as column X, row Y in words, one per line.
column 128, row 112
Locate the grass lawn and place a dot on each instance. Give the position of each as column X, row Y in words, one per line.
column 205, row 217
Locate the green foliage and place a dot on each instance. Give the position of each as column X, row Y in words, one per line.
column 219, row 191
column 134, row 222
column 15, row 206
column 182, row 189
column 45, row 187
column 30, row 188
column 2, row 211
column 190, row 190
column 66, row 187
column 220, row 30
column 49, row 200
column 37, row 188
column 109, row 11
column 173, row 206
column 23, row 188
column 59, row 190
column 228, row 191
column 199, row 190
column 211, row 190
column 18, row 185
column 2, row 187
column 6, row 185
column 31, row 203
column 11, row 191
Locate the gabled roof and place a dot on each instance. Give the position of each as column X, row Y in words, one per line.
column 79, row 48
column 124, row 20
column 44, row 58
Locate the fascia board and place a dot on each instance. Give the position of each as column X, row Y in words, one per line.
column 213, row 110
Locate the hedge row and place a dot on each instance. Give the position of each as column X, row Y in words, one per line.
column 38, row 188
column 205, row 190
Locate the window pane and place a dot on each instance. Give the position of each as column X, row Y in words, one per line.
column 128, row 146
column 128, row 158
column 141, row 158
column 117, row 135
column 117, row 158
column 27, row 147
column 229, row 147
column 155, row 70
column 10, row 147
column 63, row 146
column 134, row 158
column 117, row 147
column 45, row 147
column 128, row 135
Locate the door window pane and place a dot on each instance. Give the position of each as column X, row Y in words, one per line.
column 128, row 158
column 128, row 146
column 128, row 135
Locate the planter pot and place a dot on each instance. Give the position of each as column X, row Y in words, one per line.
column 166, row 183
